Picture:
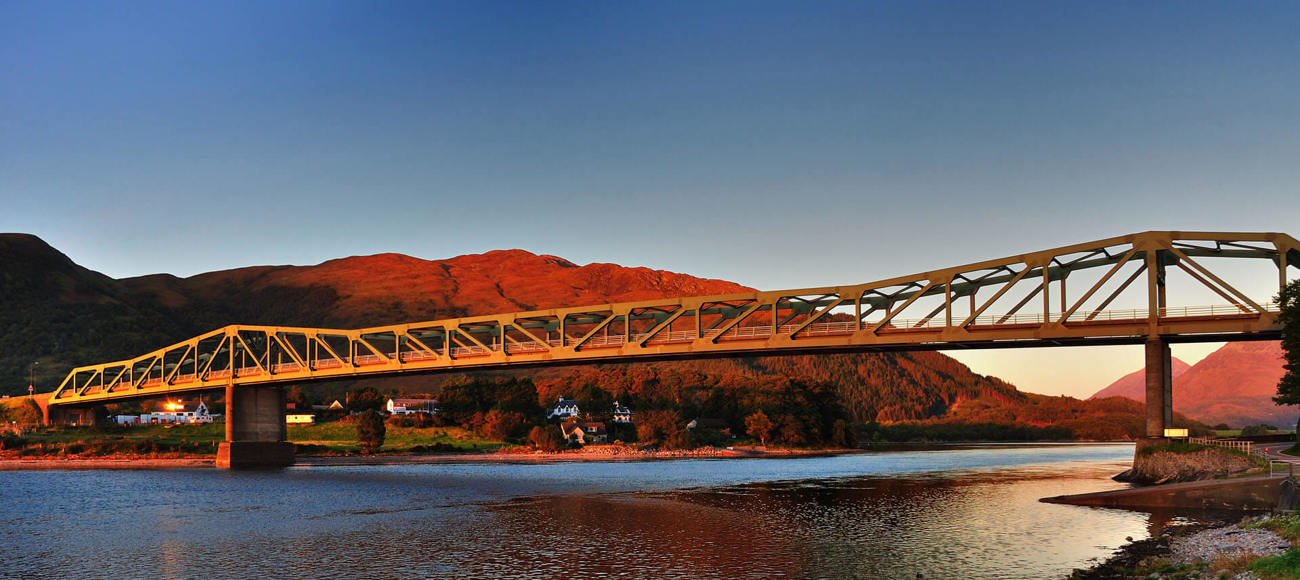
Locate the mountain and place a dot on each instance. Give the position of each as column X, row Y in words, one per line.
column 64, row 315
column 1234, row 384
column 390, row 288
column 58, row 314
column 1134, row 384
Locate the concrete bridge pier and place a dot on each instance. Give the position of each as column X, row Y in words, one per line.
column 256, row 433
column 79, row 416
column 1160, row 403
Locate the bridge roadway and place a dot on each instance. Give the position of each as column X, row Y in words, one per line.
column 942, row 309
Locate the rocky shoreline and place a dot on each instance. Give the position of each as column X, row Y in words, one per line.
column 1214, row 549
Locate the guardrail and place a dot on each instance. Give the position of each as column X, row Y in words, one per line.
column 1250, row 448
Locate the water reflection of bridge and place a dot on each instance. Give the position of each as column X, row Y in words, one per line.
column 1112, row 291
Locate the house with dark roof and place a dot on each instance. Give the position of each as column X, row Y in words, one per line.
column 622, row 414
column 564, row 409
column 584, row 433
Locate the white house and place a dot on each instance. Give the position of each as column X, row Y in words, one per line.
column 564, row 408
column 411, row 406
column 300, row 419
column 622, row 414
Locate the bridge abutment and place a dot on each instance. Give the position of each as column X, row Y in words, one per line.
column 256, row 431
column 1159, row 375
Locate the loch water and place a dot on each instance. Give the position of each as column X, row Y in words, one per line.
column 951, row 512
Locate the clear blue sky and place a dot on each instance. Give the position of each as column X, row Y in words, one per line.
column 774, row 144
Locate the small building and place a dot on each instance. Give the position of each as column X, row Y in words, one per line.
column 300, row 419
column 564, row 409
column 411, row 406
column 584, row 433
column 622, row 414
column 335, row 406
column 709, row 423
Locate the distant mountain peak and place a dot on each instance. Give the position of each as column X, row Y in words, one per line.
column 1234, row 384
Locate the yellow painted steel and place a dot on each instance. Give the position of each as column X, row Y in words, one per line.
column 882, row 315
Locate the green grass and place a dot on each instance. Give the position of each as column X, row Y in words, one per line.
column 1286, row 526
column 340, row 437
column 1283, row 566
column 333, row 437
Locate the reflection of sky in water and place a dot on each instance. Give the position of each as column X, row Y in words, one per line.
column 969, row 512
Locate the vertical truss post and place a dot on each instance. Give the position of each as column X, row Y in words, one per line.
column 947, row 303
column 1153, row 291
column 1047, row 292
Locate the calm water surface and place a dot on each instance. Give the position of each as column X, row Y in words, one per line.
column 969, row 512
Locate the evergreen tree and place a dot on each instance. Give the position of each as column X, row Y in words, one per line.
column 1288, row 388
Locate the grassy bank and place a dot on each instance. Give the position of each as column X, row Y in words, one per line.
column 334, row 438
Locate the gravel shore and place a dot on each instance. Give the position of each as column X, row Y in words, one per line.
column 1230, row 542
column 1195, row 549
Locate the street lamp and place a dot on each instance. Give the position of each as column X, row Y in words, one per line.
column 31, row 378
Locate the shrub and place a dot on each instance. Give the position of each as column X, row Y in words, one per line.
column 1254, row 430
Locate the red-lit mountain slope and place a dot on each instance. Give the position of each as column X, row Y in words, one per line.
column 390, row 288
column 1134, row 384
column 1233, row 385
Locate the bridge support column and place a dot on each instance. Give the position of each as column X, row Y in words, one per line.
column 256, row 432
column 1159, row 371
column 76, row 417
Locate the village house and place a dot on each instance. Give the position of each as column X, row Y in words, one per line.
column 335, row 406
column 174, row 414
column 411, row 406
column 564, row 409
column 300, row 419
column 622, row 414
column 584, row 433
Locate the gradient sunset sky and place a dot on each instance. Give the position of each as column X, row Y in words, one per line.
column 778, row 145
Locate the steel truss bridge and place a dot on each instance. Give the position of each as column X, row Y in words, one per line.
column 1110, row 291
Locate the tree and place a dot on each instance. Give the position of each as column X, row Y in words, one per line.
column 842, row 435
column 1288, row 387
column 546, row 438
column 758, row 425
column 299, row 399
column 370, row 430
column 365, row 399
column 657, row 426
column 500, row 425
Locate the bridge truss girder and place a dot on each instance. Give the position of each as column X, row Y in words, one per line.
column 947, row 308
